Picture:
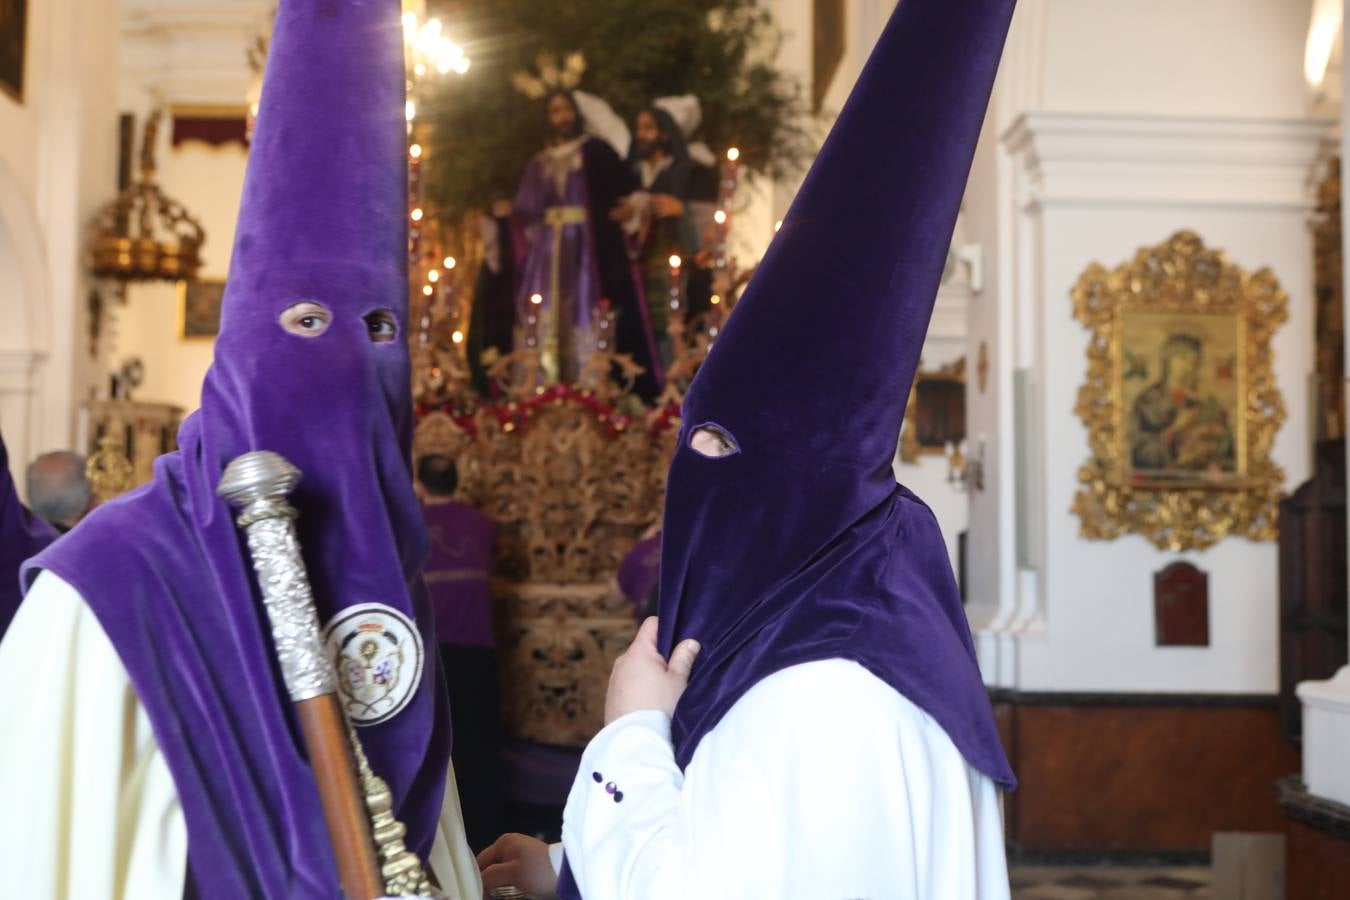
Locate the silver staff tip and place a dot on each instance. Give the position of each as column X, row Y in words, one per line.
column 255, row 475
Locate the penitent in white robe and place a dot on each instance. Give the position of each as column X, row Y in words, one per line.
column 89, row 807
column 821, row 783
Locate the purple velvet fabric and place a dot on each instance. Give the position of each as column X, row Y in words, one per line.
column 22, row 535
column 164, row 568
column 800, row 546
column 458, row 573
column 538, row 774
column 639, row 571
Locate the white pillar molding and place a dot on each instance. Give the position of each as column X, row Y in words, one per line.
column 1139, row 161
column 24, row 258
column 59, row 179
column 1326, row 736
column 24, row 296
column 948, row 324
column 795, row 57
column 18, row 390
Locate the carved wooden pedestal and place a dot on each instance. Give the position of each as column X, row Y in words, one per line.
column 556, row 644
column 570, row 496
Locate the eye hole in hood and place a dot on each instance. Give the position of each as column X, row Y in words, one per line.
column 306, row 318
column 712, row 441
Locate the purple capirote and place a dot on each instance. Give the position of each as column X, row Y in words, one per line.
column 324, row 219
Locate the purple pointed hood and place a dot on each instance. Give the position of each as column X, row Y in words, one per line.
column 323, row 219
column 22, row 535
column 800, row 546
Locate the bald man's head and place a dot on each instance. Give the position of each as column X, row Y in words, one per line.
column 58, row 490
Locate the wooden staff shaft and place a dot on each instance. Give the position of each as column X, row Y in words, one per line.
column 344, row 807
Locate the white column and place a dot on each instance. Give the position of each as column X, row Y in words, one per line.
column 17, row 389
column 23, row 303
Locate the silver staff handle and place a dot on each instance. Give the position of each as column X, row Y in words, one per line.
column 257, row 484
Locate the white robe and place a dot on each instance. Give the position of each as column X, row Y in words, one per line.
column 90, row 810
column 821, row 783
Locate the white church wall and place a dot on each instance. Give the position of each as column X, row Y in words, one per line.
column 187, row 54
column 1175, row 57
column 207, row 180
column 57, row 166
column 22, row 290
column 1097, row 597
column 19, row 118
column 1152, row 131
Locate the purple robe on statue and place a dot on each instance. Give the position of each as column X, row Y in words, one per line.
column 574, row 257
column 22, row 535
column 458, row 573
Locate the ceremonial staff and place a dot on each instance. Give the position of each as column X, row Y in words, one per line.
column 257, row 484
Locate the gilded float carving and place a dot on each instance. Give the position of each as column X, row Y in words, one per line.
column 572, row 484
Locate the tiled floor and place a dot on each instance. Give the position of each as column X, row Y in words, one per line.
column 1109, row 883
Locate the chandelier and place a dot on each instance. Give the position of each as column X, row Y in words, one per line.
column 145, row 235
column 428, row 51
column 426, row 46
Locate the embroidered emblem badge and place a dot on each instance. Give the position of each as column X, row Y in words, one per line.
column 377, row 653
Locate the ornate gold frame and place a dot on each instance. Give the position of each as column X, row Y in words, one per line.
column 1179, row 275
column 181, row 292
column 16, row 92
column 910, row 448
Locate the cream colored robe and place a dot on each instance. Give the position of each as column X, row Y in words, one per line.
column 88, row 809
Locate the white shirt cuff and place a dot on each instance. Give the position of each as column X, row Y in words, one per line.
column 652, row 720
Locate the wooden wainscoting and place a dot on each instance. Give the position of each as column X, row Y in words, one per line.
column 1317, row 844
column 1129, row 774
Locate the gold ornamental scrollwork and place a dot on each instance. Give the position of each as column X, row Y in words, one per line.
column 570, row 496
column 108, row 470
column 1329, row 295
column 1180, row 400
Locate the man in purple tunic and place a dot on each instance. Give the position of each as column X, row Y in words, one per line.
column 575, row 256
column 160, row 752
column 458, row 572
column 22, row 535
